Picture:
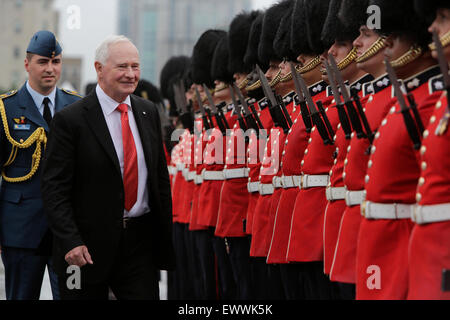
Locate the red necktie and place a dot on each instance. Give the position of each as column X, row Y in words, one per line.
column 130, row 166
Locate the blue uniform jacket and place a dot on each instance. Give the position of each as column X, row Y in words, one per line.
column 22, row 220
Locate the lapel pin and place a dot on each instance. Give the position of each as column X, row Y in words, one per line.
column 144, row 113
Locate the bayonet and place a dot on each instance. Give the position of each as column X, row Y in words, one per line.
column 237, row 107
column 314, row 113
column 409, row 122
column 252, row 119
column 301, row 99
column 206, row 122
column 352, row 114
column 220, row 119
column 186, row 116
column 278, row 116
column 343, row 117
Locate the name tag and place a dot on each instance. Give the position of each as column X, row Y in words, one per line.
column 22, row 127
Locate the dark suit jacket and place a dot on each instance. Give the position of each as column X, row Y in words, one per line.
column 83, row 191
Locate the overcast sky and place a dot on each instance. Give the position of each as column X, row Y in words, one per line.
column 85, row 23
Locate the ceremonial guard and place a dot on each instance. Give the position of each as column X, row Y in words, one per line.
column 375, row 101
column 390, row 186
column 26, row 240
column 234, row 195
column 289, row 173
column 339, row 38
column 172, row 73
column 428, row 248
column 306, row 231
column 281, row 112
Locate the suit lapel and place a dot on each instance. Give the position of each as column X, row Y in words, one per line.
column 29, row 108
column 97, row 123
column 141, row 116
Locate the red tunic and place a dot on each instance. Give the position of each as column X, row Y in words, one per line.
column 263, row 217
column 234, row 195
column 255, row 148
column 295, row 145
column 430, row 243
column 302, row 248
column 210, row 189
column 335, row 208
column 384, row 242
column 376, row 106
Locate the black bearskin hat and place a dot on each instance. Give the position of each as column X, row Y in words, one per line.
column 281, row 43
column 238, row 38
column 202, row 56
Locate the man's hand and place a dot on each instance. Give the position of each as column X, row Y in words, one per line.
column 78, row 256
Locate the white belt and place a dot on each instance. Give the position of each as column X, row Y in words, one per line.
column 353, row 198
column 212, row 175
column 265, row 188
column 180, row 166
column 372, row 210
column 189, row 175
column 276, row 182
column 198, row 179
column 253, row 186
column 290, row 181
column 172, row 170
column 430, row 213
column 235, row 173
column 316, row 180
column 335, row 193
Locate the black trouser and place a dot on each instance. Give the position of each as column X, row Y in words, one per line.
column 227, row 285
column 317, row 284
column 133, row 275
column 266, row 279
column 181, row 284
column 240, row 263
column 207, row 264
column 292, row 278
column 193, row 265
column 347, row 291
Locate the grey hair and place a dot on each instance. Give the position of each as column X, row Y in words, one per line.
column 102, row 52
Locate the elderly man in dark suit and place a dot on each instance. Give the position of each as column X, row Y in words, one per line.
column 106, row 187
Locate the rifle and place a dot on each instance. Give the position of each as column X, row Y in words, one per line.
column 237, row 107
column 220, row 118
column 206, row 124
column 186, row 116
column 251, row 118
column 343, row 117
column 301, row 89
column 277, row 109
column 352, row 113
column 410, row 124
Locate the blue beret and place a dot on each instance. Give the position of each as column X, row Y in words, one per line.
column 44, row 43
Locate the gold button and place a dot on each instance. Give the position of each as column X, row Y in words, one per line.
column 335, row 161
column 331, row 173
column 309, row 140
column 344, row 175
column 421, row 181
column 345, row 161
column 21, row 140
column 348, row 148
column 432, row 119
column 438, row 104
column 423, row 165
column 392, row 110
column 418, row 197
column 369, row 164
column 426, row 133
column 370, row 98
column 372, row 150
column 377, row 135
column 302, row 163
column 366, row 179
column 383, row 123
column 306, row 151
column 423, row 149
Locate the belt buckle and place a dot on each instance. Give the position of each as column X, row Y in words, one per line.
column 363, row 208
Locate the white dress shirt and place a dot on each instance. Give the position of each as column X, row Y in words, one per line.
column 39, row 99
column 112, row 117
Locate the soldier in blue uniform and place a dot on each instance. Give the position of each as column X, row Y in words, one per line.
column 25, row 116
